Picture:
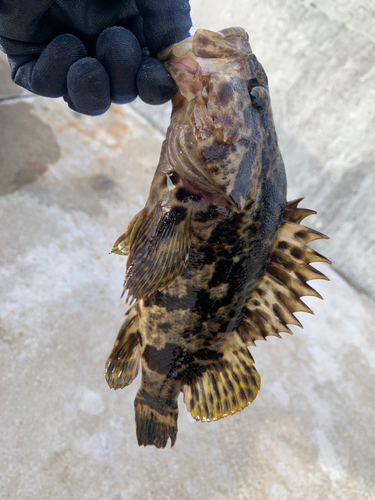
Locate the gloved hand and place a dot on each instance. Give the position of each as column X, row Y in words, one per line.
column 92, row 52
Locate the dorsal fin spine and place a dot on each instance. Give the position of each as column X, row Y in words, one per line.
column 277, row 295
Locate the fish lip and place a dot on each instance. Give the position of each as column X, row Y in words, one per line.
column 179, row 48
column 189, row 44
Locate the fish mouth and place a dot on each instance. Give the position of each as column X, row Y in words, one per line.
column 230, row 43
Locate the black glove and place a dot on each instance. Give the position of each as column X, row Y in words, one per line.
column 92, row 52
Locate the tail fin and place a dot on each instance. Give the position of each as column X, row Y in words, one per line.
column 156, row 420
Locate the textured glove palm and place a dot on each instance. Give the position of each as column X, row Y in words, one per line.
column 92, row 52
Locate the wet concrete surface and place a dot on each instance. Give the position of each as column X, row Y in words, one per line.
column 63, row 433
column 26, row 157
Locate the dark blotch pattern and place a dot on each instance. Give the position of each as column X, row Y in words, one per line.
column 161, row 361
column 215, row 152
column 183, row 195
column 159, row 404
column 296, row 252
column 224, row 94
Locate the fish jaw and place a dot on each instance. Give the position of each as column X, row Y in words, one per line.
column 218, row 132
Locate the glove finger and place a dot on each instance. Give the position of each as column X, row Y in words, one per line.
column 88, row 87
column 47, row 75
column 155, row 85
column 135, row 25
column 119, row 52
column 164, row 22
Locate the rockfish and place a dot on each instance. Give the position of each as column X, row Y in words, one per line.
column 217, row 258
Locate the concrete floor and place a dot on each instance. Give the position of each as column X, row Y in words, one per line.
column 69, row 186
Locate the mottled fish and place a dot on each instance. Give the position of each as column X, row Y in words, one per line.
column 217, row 259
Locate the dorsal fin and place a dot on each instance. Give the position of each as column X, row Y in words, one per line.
column 228, row 384
column 277, row 295
column 157, row 244
column 122, row 365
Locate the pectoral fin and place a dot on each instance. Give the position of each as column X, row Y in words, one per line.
column 123, row 243
column 158, row 250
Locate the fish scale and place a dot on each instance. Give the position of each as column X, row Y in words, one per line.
column 217, row 259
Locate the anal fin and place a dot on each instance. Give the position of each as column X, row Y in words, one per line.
column 229, row 384
column 123, row 363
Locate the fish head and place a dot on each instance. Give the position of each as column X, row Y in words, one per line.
column 221, row 118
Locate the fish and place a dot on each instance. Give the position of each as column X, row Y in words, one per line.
column 217, row 259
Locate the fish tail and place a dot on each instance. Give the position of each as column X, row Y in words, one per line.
column 156, row 419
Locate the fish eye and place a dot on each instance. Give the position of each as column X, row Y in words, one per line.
column 258, row 98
